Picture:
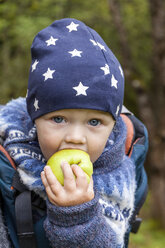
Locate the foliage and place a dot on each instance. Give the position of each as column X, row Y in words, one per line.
column 150, row 235
column 21, row 20
column 138, row 24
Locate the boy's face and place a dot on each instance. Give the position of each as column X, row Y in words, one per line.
column 83, row 129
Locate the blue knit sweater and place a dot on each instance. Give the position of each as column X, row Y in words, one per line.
column 100, row 223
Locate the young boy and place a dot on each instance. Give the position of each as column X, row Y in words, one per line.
column 74, row 100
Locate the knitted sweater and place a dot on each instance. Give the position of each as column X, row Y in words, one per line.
column 4, row 241
column 101, row 222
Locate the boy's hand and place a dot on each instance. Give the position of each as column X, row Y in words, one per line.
column 74, row 192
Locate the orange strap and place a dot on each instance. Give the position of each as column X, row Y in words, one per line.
column 8, row 156
column 130, row 133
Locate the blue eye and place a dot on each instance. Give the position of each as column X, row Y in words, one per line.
column 94, row 122
column 58, row 119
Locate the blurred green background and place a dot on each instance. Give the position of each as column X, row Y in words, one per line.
column 127, row 28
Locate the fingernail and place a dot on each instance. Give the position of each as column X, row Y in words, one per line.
column 46, row 168
column 73, row 165
column 63, row 163
column 42, row 173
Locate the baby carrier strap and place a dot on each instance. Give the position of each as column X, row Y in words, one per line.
column 24, row 222
column 23, row 214
column 136, row 148
column 30, row 202
column 23, row 209
column 7, row 156
column 130, row 134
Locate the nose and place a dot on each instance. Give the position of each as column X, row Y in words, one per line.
column 75, row 135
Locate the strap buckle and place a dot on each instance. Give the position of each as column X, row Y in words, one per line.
column 25, row 234
column 135, row 225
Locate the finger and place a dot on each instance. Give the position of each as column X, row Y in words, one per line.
column 52, row 180
column 90, row 189
column 81, row 178
column 48, row 190
column 69, row 178
column 43, row 178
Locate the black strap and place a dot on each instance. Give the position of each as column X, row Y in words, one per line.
column 17, row 184
column 24, row 220
column 23, row 213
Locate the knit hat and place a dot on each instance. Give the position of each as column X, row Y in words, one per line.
column 73, row 68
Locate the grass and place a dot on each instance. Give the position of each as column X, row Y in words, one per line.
column 150, row 234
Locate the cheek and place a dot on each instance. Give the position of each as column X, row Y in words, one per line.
column 96, row 151
column 45, row 147
column 97, row 146
column 48, row 145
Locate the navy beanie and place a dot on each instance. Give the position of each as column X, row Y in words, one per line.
column 73, row 68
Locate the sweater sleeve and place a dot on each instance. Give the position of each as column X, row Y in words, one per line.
column 82, row 226
column 101, row 222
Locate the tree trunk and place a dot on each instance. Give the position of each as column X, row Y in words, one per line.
column 157, row 152
column 115, row 9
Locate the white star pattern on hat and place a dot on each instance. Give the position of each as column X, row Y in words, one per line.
column 93, row 42
column 36, row 104
column 48, row 74
column 114, row 82
column 105, row 69
column 98, row 44
column 34, row 65
column 117, row 110
column 101, row 46
column 72, row 26
column 51, row 41
column 75, row 53
column 121, row 71
column 81, row 89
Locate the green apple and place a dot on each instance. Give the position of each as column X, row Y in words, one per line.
column 72, row 156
